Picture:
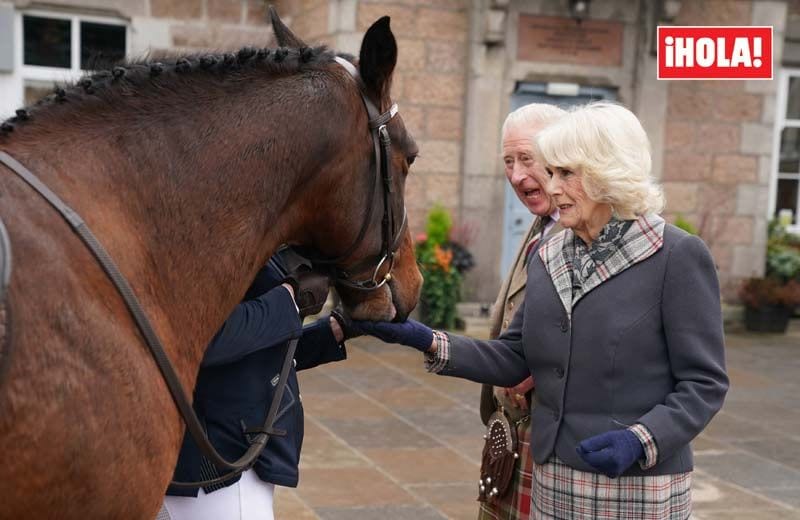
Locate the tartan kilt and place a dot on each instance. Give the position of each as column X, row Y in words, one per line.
column 516, row 504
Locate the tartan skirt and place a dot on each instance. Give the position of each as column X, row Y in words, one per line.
column 560, row 492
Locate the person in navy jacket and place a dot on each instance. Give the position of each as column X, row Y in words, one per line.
column 234, row 389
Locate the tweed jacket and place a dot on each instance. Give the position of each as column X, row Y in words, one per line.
column 511, row 294
column 645, row 346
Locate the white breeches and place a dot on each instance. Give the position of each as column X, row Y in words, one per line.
column 248, row 499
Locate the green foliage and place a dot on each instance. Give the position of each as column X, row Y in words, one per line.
column 780, row 286
column 783, row 253
column 440, row 294
column 438, row 226
column 441, row 290
column 682, row 223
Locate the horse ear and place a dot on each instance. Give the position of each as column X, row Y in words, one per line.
column 285, row 37
column 378, row 57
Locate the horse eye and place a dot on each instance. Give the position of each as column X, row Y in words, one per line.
column 410, row 159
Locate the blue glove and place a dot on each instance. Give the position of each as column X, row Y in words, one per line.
column 611, row 453
column 410, row 332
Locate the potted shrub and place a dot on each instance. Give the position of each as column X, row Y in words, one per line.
column 442, row 260
column 770, row 301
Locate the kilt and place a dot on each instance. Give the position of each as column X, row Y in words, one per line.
column 516, row 504
column 560, row 492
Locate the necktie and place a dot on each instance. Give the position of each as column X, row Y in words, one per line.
column 530, row 247
column 537, row 236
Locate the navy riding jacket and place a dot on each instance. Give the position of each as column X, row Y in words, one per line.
column 237, row 380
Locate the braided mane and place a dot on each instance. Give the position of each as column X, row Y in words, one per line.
column 168, row 76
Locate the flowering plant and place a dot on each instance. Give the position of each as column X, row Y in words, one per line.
column 770, row 300
column 770, row 292
column 442, row 261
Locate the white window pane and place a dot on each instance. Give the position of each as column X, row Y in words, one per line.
column 101, row 44
column 787, row 197
column 790, row 151
column 47, row 41
column 793, row 98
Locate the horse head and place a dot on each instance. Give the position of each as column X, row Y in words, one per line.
column 373, row 264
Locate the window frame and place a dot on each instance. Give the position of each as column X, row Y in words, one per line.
column 38, row 73
column 781, row 122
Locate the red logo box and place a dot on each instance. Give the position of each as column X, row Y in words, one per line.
column 714, row 52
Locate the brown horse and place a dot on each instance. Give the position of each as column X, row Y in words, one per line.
column 190, row 172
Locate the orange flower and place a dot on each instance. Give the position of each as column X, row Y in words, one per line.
column 443, row 257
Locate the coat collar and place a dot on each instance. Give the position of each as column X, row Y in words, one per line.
column 642, row 239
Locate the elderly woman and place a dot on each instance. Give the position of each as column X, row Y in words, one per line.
column 621, row 329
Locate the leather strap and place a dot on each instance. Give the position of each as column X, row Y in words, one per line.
column 152, row 340
column 5, row 262
column 381, row 143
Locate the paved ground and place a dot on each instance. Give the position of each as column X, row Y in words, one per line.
column 385, row 440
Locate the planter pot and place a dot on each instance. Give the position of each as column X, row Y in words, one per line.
column 767, row 319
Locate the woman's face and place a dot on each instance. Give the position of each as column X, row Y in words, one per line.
column 525, row 174
column 576, row 209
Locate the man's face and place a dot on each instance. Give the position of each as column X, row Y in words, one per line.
column 525, row 174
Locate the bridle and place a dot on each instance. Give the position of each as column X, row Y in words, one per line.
column 390, row 237
column 389, row 245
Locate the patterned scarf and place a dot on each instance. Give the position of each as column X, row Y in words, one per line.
column 576, row 269
column 586, row 260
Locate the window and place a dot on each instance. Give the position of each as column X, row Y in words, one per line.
column 59, row 47
column 785, row 195
column 47, row 41
column 101, row 43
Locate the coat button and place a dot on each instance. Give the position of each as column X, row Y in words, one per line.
column 564, row 324
column 511, row 305
column 559, row 372
column 505, row 324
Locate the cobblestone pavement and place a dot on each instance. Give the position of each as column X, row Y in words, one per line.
column 385, row 440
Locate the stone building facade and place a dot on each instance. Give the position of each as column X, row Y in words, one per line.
column 461, row 63
column 723, row 149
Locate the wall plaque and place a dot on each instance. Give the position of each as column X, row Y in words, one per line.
column 563, row 40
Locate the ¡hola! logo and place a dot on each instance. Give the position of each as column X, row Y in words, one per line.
column 715, row 52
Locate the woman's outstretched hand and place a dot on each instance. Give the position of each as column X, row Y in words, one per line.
column 410, row 333
column 612, row 452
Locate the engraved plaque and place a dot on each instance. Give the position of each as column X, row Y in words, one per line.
column 563, row 40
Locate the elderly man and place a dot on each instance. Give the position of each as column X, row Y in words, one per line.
column 527, row 177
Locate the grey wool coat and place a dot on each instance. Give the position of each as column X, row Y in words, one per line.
column 645, row 346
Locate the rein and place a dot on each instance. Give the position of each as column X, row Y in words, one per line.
column 382, row 144
column 5, row 261
column 154, row 343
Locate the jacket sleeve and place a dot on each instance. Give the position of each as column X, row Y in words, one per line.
column 499, row 362
column 269, row 277
column 692, row 318
column 318, row 346
column 267, row 321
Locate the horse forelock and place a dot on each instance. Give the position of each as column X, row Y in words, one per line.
column 166, row 76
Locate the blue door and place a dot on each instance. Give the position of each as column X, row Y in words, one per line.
column 517, row 218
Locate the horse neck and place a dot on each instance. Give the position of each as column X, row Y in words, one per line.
column 194, row 205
